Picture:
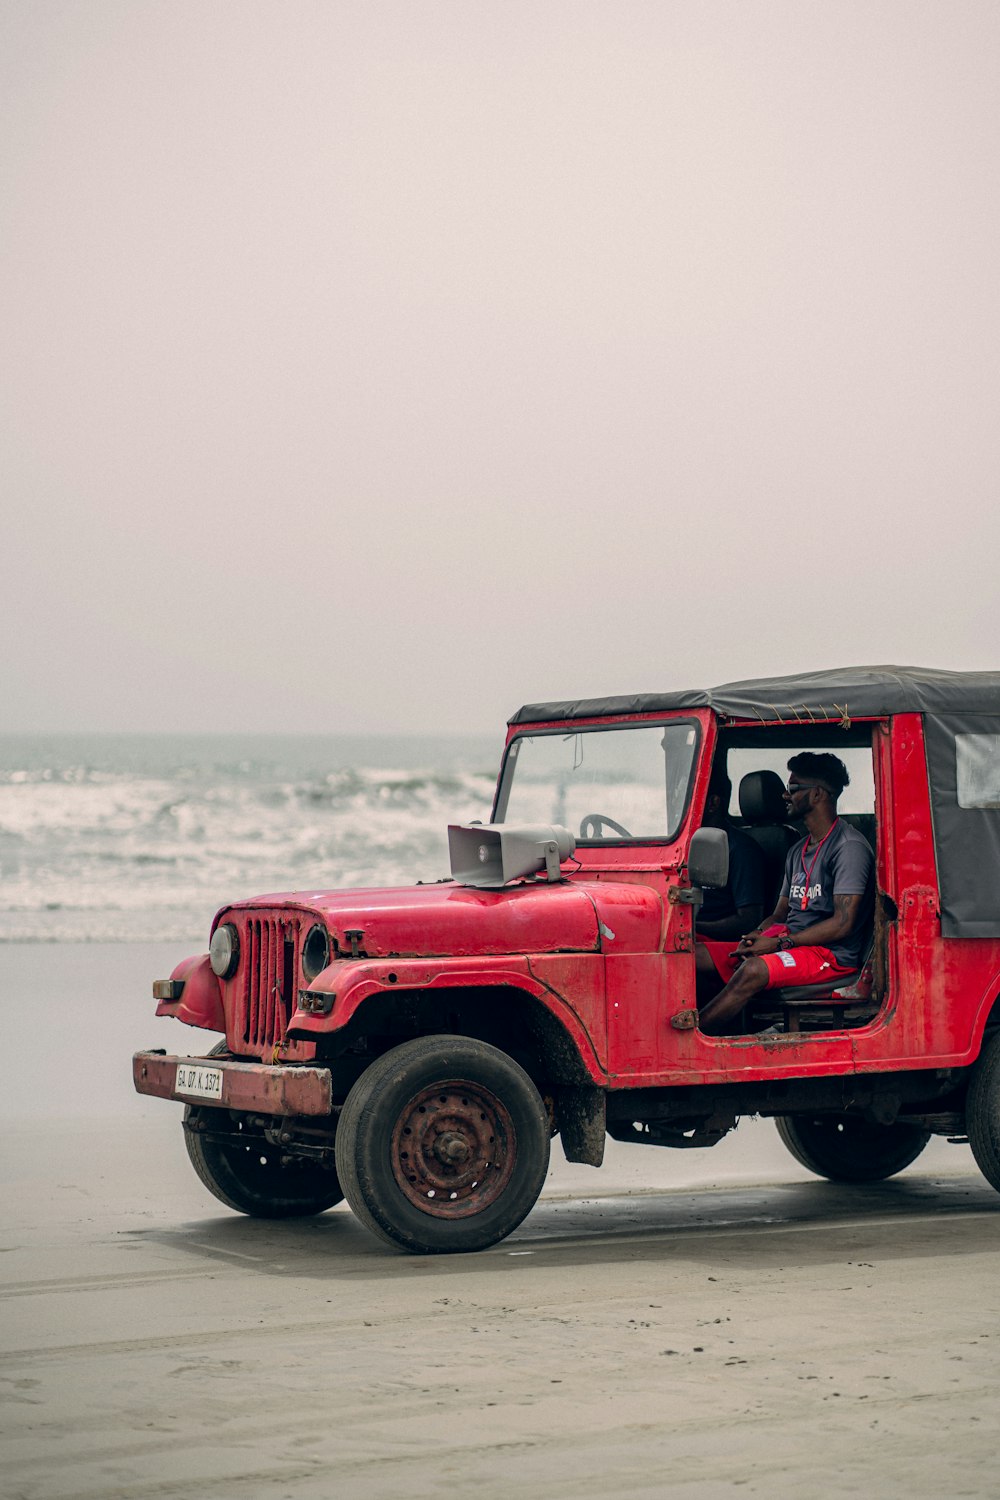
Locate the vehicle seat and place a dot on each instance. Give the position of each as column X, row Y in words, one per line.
column 844, row 1002
column 864, row 823
column 762, row 808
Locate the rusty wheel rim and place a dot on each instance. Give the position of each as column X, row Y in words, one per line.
column 453, row 1149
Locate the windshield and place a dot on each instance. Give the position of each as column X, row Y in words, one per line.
column 604, row 785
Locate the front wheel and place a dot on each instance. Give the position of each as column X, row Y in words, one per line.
column 846, row 1149
column 255, row 1177
column 443, row 1145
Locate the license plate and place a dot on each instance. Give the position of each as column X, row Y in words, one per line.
column 205, row 1083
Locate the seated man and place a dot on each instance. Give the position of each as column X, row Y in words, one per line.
column 821, row 926
column 739, row 905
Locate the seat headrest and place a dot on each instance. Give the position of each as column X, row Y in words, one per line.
column 762, row 798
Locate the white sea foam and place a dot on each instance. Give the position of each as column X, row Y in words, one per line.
column 126, row 846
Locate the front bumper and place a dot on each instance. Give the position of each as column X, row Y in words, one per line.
column 252, row 1087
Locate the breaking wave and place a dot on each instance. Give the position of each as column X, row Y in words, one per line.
column 150, row 847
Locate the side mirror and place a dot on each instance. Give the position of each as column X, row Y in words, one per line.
column 708, row 858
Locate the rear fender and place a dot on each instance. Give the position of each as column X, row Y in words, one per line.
column 988, row 1016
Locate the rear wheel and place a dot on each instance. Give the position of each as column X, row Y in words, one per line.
column 443, row 1145
column 846, row 1149
column 982, row 1113
column 255, row 1177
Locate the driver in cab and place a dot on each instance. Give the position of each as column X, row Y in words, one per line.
column 821, row 927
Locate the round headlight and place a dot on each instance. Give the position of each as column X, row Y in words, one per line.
column 315, row 951
column 224, row 951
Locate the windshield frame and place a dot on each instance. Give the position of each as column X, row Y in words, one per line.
column 575, row 726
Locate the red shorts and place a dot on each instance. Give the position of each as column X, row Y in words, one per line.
column 787, row 967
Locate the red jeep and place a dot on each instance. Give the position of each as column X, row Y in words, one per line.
column 415, row 1049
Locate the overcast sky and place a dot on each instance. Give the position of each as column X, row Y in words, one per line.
column 382, row 366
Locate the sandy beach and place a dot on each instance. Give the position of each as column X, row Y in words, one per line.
column 419, row 418
column 683, row 1323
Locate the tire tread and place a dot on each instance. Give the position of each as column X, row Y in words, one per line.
column 222, row 1182
column 362, row 1191
column 838, row 1165
column 982, row 1113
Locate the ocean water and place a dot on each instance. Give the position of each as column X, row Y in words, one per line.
column 140, row 838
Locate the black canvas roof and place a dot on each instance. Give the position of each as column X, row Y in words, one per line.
column 840, row 693
column 966, row 838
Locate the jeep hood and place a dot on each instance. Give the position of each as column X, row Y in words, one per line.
column 445, row 920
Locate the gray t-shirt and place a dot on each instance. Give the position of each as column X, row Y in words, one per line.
column 844, row 866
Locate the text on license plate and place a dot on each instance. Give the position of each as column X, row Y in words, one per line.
column 205, row 1082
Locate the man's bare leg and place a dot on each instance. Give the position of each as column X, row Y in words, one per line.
column 750, row 978
column 708, row 981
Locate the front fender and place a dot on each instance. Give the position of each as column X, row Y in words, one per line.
column 351, row 984
column 201, row 998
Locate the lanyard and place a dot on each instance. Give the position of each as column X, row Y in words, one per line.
column 807, row 874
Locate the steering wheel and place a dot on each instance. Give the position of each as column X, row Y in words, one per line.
column 592, row 827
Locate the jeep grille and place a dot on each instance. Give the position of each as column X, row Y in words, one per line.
column 266, row 982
